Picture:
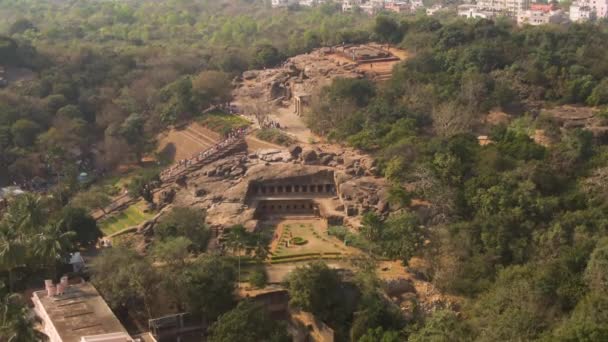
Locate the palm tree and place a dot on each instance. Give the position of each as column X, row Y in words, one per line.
column 14, row 324
column 236, row 239
column 51, row 244
column 12, row 252
column 25, row 214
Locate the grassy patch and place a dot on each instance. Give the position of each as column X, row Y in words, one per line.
column 223, row 123
column 275, row 136
column 132, row 216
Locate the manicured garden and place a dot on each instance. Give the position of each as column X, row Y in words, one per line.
column 306, row 240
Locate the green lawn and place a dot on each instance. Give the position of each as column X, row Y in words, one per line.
column 275, row 136
column 223, row 123
column 132, row 216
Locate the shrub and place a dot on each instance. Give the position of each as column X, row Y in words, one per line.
column 258, row 277
column 275, row 136
column 299, row 241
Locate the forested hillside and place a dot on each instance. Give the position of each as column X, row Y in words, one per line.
column 110, row 75
column 517, row 228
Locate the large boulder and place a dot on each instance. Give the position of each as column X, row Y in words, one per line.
column 250, row 74
column 309, row 156
column 295, row 151
column 166, row 197
column 326, row 159
column 397, row 287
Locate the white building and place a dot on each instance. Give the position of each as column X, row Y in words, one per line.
column 584, row 10
column 372, row 7
column 434, row 9
column 76, row 313
column 350, row 5
column 416, row 4
column 311, row 3
column 538, row 17
column 470, row 11
column 580, row 13
column 503, row 7
column 282, row 3
column 397, row 6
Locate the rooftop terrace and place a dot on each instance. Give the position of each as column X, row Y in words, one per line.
column 79, row 312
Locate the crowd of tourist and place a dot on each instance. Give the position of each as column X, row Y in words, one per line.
column 271, row 124
column 183, row 164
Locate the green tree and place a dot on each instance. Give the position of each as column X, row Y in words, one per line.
column 79, row 221
column 212, row 88
column 20, row 231
column 388, row 30
column 380, row 335
column 266, row 56
column 20, row 25
column 24, row 133
column 596, row 273
column 143, row 184
column 134, row 284
column 53, row 244
column 258, row 277
column 173, row 251
column 587, row 322
column 208, row 286
column 248, row 322
column 318, row 289
column 184, row 222
column 132, row 130
column 15, row 325
column 599, row 95
column 238, row 239
column 94, row 198
column 443, row 326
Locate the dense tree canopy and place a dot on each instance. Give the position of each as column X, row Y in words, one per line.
column 248, row 322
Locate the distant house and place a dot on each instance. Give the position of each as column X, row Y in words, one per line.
column 283, row 3
column 540, row 16
column 312, row 3
column 434, row 9
column 350, row 5
column 471, row 11
column 581, row 12
column 397, row 6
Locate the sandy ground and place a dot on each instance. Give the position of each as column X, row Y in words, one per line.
column 185, row 142
column 279, row 273
column 294, row 125
column 254, row 144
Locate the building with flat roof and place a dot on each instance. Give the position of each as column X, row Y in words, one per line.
column 540, row 17
column 77, row 313
column 283, row 3
column 583, row 10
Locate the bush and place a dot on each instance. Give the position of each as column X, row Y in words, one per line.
column 299, row 241
column 351, row 239
column 223, row 123
column 293, row 256
column 258, row 277
column 275, row 136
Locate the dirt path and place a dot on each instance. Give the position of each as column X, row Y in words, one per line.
column 294, row 125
